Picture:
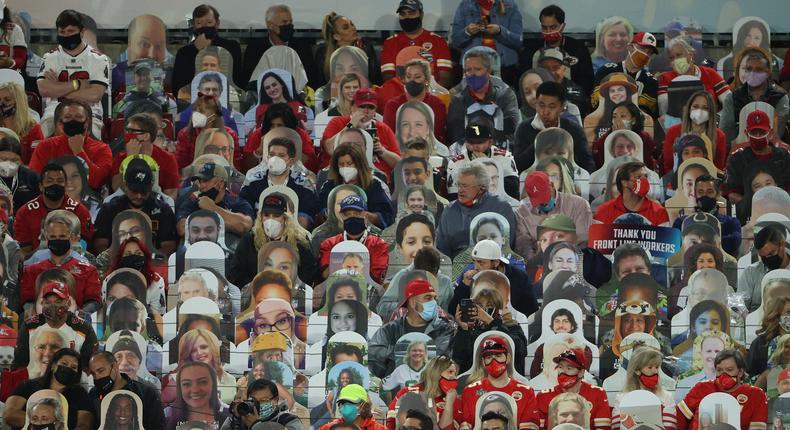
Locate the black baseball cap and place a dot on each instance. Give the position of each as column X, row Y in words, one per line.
column 211, row 170
column 138, row 176
column 273, row 204
column 478, row 132
column 409, row 4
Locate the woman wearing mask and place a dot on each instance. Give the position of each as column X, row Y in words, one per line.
column 699, row 117
column 439, row 383
column 681, row 56
column 134, row 254
column 643, row 374
column 278, row 115
column 16, row 116
column 62, row 375
column 207, row 114
column 21, row 181
column 339, row 31
column 776, row 323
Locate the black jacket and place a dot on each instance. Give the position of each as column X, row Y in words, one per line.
column 523, row 148
column 244, row 265
column 464, row 343
column 581, row 72
column 79, row 325
column 184, row 66
column 153, row 414
column 522, row 296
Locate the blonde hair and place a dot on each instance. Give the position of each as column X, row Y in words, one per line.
column 430, row 376
column 293, row 233
column 206, row 136
column 568, row 397
column 603, row 27
column 776, row 356
column 23, row 121
column 188, row 341
column 343, row 105
column 327, row 31
column 641, row 357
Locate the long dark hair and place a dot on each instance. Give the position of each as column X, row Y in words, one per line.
column 49, row 373
column 110, row 420
column 282, row 111
column 147, row 270
column 265, row 99
column 639, row 119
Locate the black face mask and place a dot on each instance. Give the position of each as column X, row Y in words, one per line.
column 706, row 204
column 354, row 226
column 414, row 88
column 212, row 194
column 410, row 25
column 773, row 262
column 59, row 247
column 41, row 426
column 209, row 32
column 54, row 192
column 136, row 262
column 73, row 128
column 286, row 32
column 103, row 384
column 70, row 42
column 7, row 111
column 67, row 376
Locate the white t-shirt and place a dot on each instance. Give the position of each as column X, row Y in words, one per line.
column 89, row 64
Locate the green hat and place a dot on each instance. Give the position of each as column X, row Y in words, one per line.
column 353, row 393
column 558, row 222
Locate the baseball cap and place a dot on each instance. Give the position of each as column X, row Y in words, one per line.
column 487, row 249
column 143, row 65
column 573, row 356
column 537, row 186
column 758, row 120
column 269, row 340
column 57, row 288
column 353, row 202
column 784, row 374
column 409, row 4
column 365, row 97
column 493, row 345
column 551, row 54
column 138, row 176
column 557, row 222
column 415, row 287
column 273, row 204
column 211, row 170
column 647, row 40
column 478, row 131
column 353, row 393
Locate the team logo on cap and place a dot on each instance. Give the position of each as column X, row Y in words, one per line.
column 650, row 38
column 140, row 176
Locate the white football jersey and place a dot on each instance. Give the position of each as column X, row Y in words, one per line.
column 11, row 39
column 89, row 64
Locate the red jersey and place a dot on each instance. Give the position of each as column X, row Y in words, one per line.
column 84, row 274
column 34, row 135
column 673, row 133
column 95, row 153
column 392, row 410
column 523, row 394
column 185, row 146
column 600, row 412
column 169, row 177
column 711, row 80
column 754, row 406
column 434, row 49
column 378, row 250
column 386, row 138
column 650, row 209
column 27, row 224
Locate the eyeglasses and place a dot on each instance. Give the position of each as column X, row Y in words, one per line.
column 132, row 232
column 214, row 149
column 281, row 324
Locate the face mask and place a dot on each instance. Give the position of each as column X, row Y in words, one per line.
column 567, row 381
column 7, row 111
column 548, row 207
column 428, row 312
column 273, row 228
column 136, row 262
column 266, row 410
column 59, row 247
column 212, row 194
column 784, row 322
column 54, row 192
column 354, row 226
column 495, row 368
column 349, row 412
column 41, row 426
column 54, row 312
column 476, row 83
column 681, row 65
column 706, row 204
column 209, row 32
column 627, row 124
column 553, row 37
column 773, row 262
column 640, row 186
column 699, row 116
column 726, row 382
column 286, row 32
column 447, row 384
column 410, row 25
column 758, row 143
column 649, row 382
column 70, row 42
column 756, row 79
column 414, row 88
column 67, row 376
column 348, row 173
column 276, row 165
column 104, row 384
column 639, row 58
column 199, row 120
column 8, row 168
column 73, row 128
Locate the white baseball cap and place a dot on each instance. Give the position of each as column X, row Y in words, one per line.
column 489, row 250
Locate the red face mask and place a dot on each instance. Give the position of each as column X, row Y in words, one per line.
column 726, row 382
column 640, row 186
column 552, row 37
column 758, row 143
column 447, row 384
column 495, row 368
column 127, row 137
column 650, row 381
column 567, row 381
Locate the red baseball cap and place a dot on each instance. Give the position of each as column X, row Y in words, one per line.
column 758, row 120
column 416, row 287
column 647, row 40
column 57, row 288
column 784, row 374
column 365, row 97
column 493, row 345
column 575, row 357
column 537, row 186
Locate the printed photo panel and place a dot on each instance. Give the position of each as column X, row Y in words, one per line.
column 209, row 78
column 748, row 31
column 640, row 407
column 131, row 350
column 498, row 402
column 267, row 284
column 216, row 59
column 283, row 256
column 349, row 255
column 345, row 373
column 121, row 409
column 612, row 34
column 569, row 405
column 192, row 396
column 47, row 407
column 276, row 315
column 271, row 347
column 147, row 38
column 144, row 78
column 775, row 284
column 555, row 345
column 704, row 284
column 197, row 282
column 718, row 408
column 705, row 315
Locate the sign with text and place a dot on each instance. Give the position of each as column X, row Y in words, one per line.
column 660, row 241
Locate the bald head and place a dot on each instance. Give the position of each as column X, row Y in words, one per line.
column 147, row 38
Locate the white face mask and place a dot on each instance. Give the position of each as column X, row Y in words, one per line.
column 199, row 120
column 276, row 166
column 273, row 228
column 699, row 116
column 348, row 173
column 8, row 168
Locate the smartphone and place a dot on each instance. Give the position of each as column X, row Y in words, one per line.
column 467, row 310
column 372, row 132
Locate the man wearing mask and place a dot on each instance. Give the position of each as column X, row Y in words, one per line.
column 280, row 26
column 73, row 71
column 28, row 220
column 452, row 235
column 759, row 152
column 422, row 315
column 352, row 209
column 263, row 394
column 354, row 407
column 107, row 378
column 484, row 89
column 213, row 195
column 74, row 138
column 138, row 182
column 730, row 379
column 73, row 224
column 632, row 188
column 771, row 246
column 552, row 27
column 641, row 49
column 436, row 51
column 205, row 23
column 56, row 315
column 571, row 365
column 707, row 192
column 417, row 81
column 542, row 201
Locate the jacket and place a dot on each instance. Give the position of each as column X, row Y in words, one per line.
column 463, row 343
column 508, row 41
column 740, row 97
column 581, row 71
column 452, row 233
column 84, row 339
column 522, row 295
column 153, row 415
column 378, row 250
column 749, row 283
column 499, row 93
column 184, row 65
column 85, row 275
column 282, row 417
column 381, row 355
column 730, row 231
column 378, row 199
column 523, row 147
